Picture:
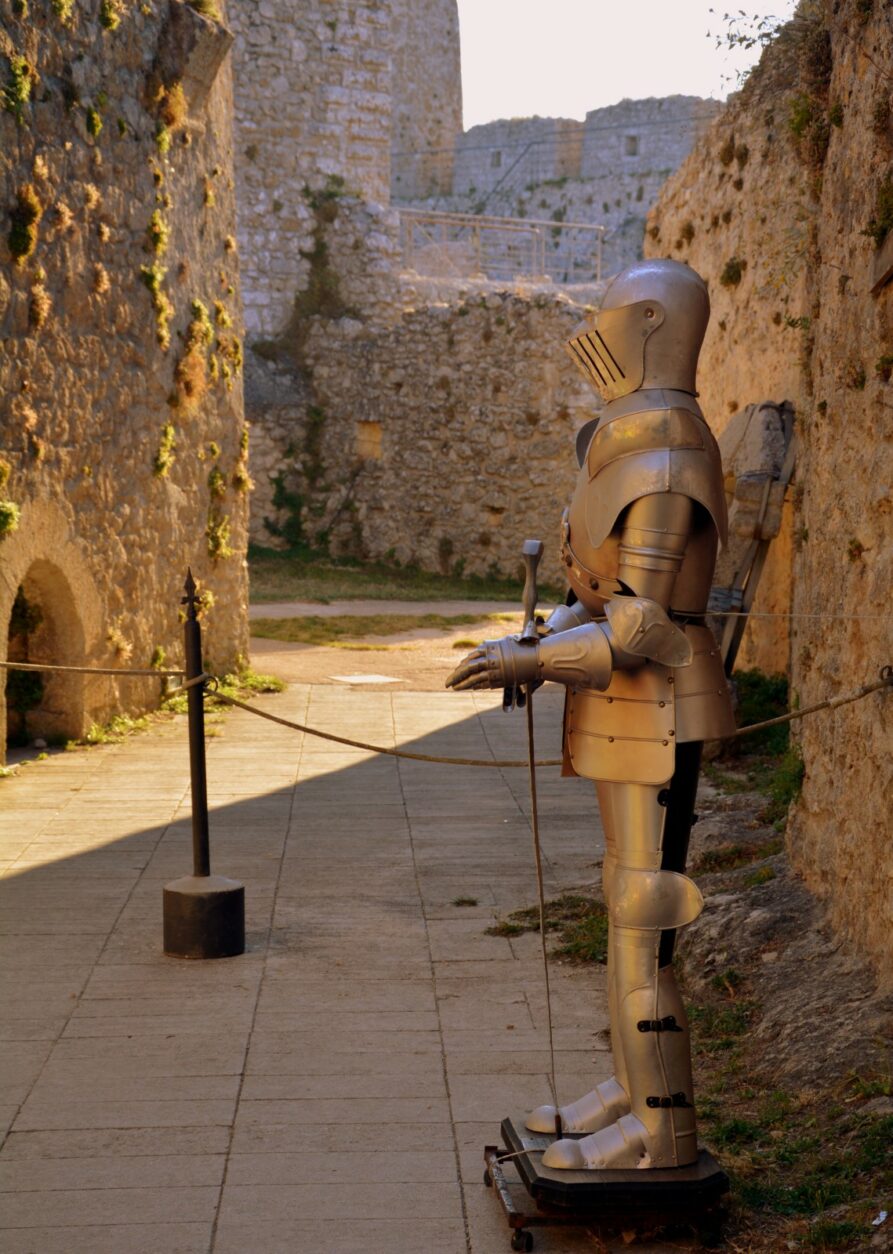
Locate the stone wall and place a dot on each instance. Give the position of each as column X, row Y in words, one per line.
column 447, row 442
column 427, row 96
column 785, row 207
column 515, row 151
column 635, row 138
column 121, row 424
column 313, row 110
column 607, row 171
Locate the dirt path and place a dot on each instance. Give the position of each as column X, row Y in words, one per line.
column 417, row 661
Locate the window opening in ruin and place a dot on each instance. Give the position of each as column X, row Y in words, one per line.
column 369, row 440
column 495, row 160
column 44, row 626
column 631, row 146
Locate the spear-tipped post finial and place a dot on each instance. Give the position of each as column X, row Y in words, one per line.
column 190, row 600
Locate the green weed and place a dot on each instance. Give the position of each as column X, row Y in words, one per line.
column 581, row 923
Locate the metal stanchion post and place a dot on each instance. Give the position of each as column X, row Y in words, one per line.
column 204, row 914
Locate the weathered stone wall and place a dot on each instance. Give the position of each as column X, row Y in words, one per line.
column 607, row 171
column 313, row 109
column 638, row 137
column 448, row 441
column 121, row 425
column 773, row 208
column 427, row 96
column 515, row 151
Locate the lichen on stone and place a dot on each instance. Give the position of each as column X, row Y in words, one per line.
column 165, row 454
column 10, row 515
column 153, row 279
column 158, row 233
column 40, row 305
column 207, row 8
column 18, row 86
column 110, row 14
column 217, row 533
column 25, row 217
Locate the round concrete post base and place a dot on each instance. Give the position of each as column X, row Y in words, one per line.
column 204, row 917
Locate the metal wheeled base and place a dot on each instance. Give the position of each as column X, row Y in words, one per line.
column 603, row 1200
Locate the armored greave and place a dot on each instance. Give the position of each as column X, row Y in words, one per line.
column 645, row 1114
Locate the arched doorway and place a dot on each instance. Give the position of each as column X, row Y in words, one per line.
column 44, row 626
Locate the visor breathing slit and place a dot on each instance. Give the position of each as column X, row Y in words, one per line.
column 617, row 365
column 589, row 366
column 592, row 351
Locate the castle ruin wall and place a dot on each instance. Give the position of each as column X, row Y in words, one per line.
column 122, row 454
column 781, row 208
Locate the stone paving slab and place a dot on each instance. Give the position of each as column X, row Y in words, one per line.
column 332, row 1089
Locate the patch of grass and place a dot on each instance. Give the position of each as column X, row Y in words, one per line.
column 581, row 923
column 730, row 857
column 833, row 1234
column 327, row 631
column 882, row 221
column 311, row 575
column 118, row 728
column 242, row 685
column 716, row 1026
column 465, row 643
column 792, row 1156
column 784, row 785
column 762, row 875
column 761, row 697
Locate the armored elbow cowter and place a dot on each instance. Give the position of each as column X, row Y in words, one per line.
column 637, row 630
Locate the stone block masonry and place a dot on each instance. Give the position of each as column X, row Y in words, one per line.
column 427, row 96
column 448, row 441
column 123, row 450
column 784, row 206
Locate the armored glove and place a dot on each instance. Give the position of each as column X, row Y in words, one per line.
column 502, row 663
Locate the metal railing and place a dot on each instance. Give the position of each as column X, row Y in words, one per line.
column 465, row 245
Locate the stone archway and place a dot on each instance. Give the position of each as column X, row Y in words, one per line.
column 44, row 625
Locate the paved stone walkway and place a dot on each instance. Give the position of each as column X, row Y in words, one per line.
column 331, row 1090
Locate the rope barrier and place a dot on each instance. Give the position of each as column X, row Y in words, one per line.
column 885, row 681
column 830, row 703
column 89, row 670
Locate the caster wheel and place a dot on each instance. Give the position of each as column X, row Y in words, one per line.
column 487, row 1178
column 522, row 1240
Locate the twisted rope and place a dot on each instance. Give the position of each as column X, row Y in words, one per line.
column 885, row 681
column 830, row 703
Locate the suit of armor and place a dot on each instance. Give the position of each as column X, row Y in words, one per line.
column 645, row 688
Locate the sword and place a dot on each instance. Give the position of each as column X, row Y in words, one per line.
column 532, row 551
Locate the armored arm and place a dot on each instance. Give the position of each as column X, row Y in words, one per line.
column 565, row 617
column 653, row 535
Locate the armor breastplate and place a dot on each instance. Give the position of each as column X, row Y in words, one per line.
column 643, row 445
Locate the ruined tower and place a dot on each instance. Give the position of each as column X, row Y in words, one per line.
column 426, row 97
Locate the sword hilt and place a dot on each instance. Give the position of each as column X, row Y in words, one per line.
column 532, row 551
